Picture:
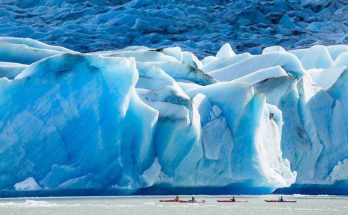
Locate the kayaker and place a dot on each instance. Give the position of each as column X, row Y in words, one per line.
column 177, row 198
column 281, row 199
column 233, row 199
column 193, row 199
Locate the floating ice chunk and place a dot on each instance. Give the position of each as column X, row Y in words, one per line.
column 29, row 184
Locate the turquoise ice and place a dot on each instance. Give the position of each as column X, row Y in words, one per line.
column 139, row 118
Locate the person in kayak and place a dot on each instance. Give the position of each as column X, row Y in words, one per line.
column 177, row 198
column 281, row 199
column 233, row 199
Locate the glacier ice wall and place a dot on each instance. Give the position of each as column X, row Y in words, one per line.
column 139, row 118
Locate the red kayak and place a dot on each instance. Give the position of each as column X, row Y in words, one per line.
column 284, row 201
column 231, row 201
column 190, row 201
column 169, row 200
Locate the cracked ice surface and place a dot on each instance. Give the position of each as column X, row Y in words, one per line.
column 197, row 26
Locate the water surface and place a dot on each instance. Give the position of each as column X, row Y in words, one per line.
column 316, row 205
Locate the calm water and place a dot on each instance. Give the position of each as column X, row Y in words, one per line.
column 316, row 205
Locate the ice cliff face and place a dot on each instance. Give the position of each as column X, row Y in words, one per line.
column 139, row 117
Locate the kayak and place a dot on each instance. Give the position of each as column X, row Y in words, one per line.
column 230, row 201
column 190, row 201
column 169, row 200
column 277, row 201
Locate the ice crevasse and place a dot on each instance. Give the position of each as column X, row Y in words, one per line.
column 139, row 118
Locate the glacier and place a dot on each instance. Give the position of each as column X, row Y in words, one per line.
column 198, row 26
column 141, row 118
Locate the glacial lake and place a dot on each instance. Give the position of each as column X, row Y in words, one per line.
column 140, row 205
